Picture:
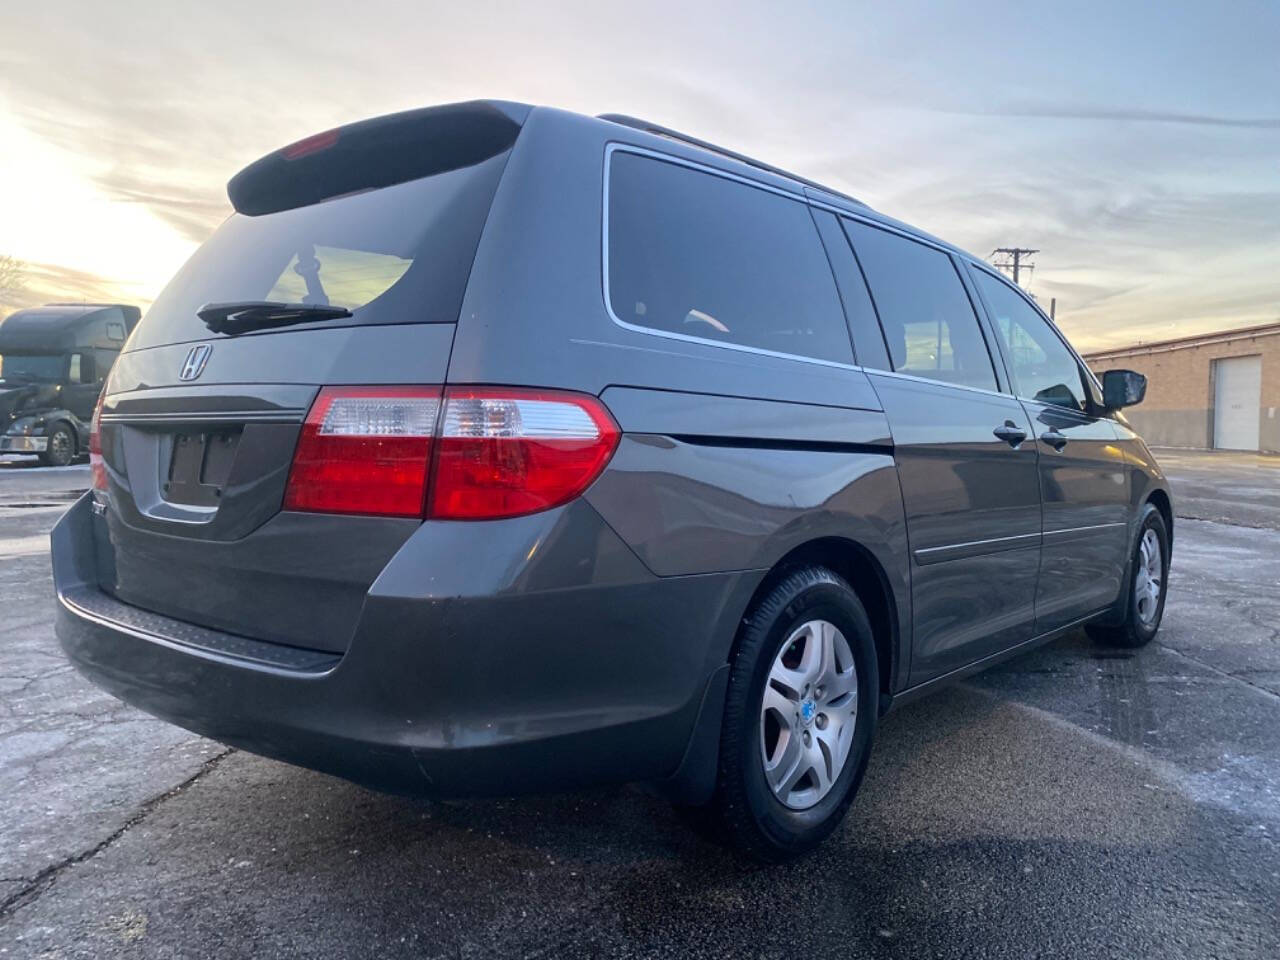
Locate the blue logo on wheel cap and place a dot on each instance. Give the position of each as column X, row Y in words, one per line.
column 807, row 711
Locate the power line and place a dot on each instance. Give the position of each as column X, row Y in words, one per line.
column 1014, row 260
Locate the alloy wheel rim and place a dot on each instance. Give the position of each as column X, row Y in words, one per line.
column 1150, row 578
column 808, row 714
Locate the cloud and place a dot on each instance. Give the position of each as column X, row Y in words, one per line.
column 1149, row 187
column 1068, row 112
column 193, row 215
column 141, row 156
column 50, row 283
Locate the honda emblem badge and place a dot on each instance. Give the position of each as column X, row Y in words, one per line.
column 197, row 357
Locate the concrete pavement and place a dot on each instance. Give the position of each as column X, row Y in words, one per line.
column 1076, row 801
column 1238, row 488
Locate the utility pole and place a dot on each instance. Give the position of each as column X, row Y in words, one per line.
column 1015, row 260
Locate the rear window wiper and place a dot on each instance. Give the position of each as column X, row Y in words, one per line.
column 241, row 316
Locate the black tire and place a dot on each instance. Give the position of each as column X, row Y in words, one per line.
column 1133, row 630
column 752, row 819
column 62, row 447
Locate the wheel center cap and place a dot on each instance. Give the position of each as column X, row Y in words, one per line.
column 808, row 710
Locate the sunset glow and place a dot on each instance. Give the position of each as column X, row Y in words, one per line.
column 1138, row 156
column 54, row 215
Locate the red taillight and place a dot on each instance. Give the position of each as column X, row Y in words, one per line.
column 497, row 452
column 365, row 450
column 97, row 469
column 502, row 453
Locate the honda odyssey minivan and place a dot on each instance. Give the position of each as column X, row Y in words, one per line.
column 488, row 448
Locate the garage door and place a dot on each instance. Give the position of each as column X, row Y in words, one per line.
column 1237, row 397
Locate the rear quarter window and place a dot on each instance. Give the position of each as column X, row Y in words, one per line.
column 700, row 255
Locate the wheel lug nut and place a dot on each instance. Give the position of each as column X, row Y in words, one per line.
column 821, row 721
column 817, row 694
column 806, row 738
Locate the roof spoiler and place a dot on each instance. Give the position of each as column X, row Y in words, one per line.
column 377, row 153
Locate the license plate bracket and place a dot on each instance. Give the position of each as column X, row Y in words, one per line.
column 200, row 466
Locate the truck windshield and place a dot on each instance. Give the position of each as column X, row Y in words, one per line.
column 32, row 367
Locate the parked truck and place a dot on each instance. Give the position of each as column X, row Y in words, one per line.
column 53, row 362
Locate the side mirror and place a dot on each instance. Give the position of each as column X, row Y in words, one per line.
column 1122, row 388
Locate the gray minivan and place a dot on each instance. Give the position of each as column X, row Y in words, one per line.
column 488, row 448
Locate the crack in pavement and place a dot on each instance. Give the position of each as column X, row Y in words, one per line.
column 1224, row 520
column 29, row 682
column 113, row 713
column 1220, row 672
column 33, row 887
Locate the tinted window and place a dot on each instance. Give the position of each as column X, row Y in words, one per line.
column 1041, row 365
column 700, row 255
column 105, row 360
column 30, row 367
column 868, row 341
column 929, row 324
column 401, row 254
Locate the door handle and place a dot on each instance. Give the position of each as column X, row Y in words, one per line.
column 1010, row 434
column 1054, row 439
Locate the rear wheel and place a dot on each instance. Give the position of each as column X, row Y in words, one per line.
column 62, row 447
column 1148, row 582
column 800, row 715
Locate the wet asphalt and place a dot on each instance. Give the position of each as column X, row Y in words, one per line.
column 1077, row 801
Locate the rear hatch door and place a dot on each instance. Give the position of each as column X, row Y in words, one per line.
column 198, row 430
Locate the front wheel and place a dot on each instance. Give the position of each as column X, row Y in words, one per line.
column 800, row 716
column 61, row 449
column 1148, row 586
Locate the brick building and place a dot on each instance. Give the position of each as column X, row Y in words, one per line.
column 1218, row 390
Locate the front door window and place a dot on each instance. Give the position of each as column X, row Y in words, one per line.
column 1042, row 367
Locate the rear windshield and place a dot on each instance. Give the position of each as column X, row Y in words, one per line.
column 399, row 254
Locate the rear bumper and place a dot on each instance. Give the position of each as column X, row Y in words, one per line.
column 471, row 675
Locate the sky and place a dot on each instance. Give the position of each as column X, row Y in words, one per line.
column 1136, row 145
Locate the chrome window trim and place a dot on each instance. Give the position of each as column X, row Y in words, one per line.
column 871, row 371
column 863, row 217
column 1059, row 408
column 617, row 147
column 1056, row 406
column 955, row 260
